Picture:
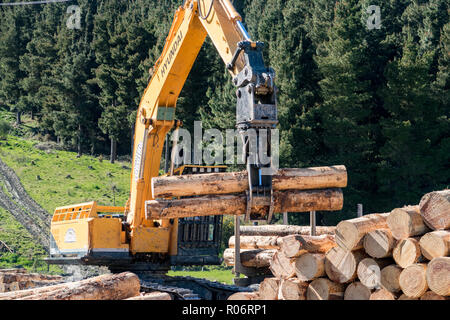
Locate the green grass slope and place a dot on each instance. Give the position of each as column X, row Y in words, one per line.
column 43, row 173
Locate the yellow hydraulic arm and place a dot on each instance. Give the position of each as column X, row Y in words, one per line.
column 156, row 115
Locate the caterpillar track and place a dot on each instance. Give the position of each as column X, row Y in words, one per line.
column 189, row 288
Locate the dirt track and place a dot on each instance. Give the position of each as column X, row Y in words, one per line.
column 25, row 210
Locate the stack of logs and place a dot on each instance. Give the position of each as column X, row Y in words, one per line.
column 123, row 286
column 19, row 279
column 399, row 255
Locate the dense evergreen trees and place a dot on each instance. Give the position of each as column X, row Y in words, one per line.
column 373, row 99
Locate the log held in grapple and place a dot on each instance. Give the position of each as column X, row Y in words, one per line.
column 236, row 204
column 237, row 182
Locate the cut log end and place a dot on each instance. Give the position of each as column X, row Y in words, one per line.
column 325, row 289
column 438, row 276
column 407, row 252
column 379, row 243
column 406, row 222
column 390, row 278
column 435, row 244
column 357, row 291
column 435, row 209
column 413, row 280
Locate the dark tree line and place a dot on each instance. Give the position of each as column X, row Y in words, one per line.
column 373, row 99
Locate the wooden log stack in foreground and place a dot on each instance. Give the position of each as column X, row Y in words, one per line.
column 123, row 286
column 398, row 255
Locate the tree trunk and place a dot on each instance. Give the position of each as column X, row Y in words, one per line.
column 369, row 271
column 382, row 294
column 268, row 289
column 283, row 230
column 350, row 233
column 435, row 209
column 413, row 280
column 340, row 264
column 256, row 258
column 79, row 151
column 310, row 266
column 435, row 244
column 113, row 150
column 105, row 287
column 281, row 266
column 406, row 222
column 379, row 243
column 284, row 201
column 18, row 117
column 237, row 182
column 390, row 276
column 295, row 245
column 357, row 291
column 293, row 289
column 256, row 242
column 325, row 289
column 407, row 252
column 438, row 276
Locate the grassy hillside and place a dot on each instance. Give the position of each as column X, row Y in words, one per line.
column 56, row 178
column 44, row 172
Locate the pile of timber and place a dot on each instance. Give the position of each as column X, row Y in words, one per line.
column 123, row 286
column 295, row 190
column 399, row 255
column 20, row 279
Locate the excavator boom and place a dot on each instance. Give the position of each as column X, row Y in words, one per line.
column 80, row 234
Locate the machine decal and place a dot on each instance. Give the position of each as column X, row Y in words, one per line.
column 137, row 161
column 70, row 236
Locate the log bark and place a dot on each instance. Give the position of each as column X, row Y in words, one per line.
column 269, row 288
column 390, row 278
column 406, row 222
column 237, row 182
column 379, row 243
column 435, row 209
column 310, row 266
column 407, row 252
column 153, row 296
column 350, row 233
column 295, row 245
column 357, row 291
column 340, row 264
column 413, row 280
column 30, row 292
column 293, row 289
column 284, row 201
column 19, row 270
column 256, row 258
column 430, row 295
column 6, row 277
column 369, row 272
column 382, row 294
column 256, row 242
column 435, row 244
column 282, row 266
column 104, row 287
column 438, row 276
column 244, row 296
column 283, row 230
column 405, row 297
column 325, row 289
